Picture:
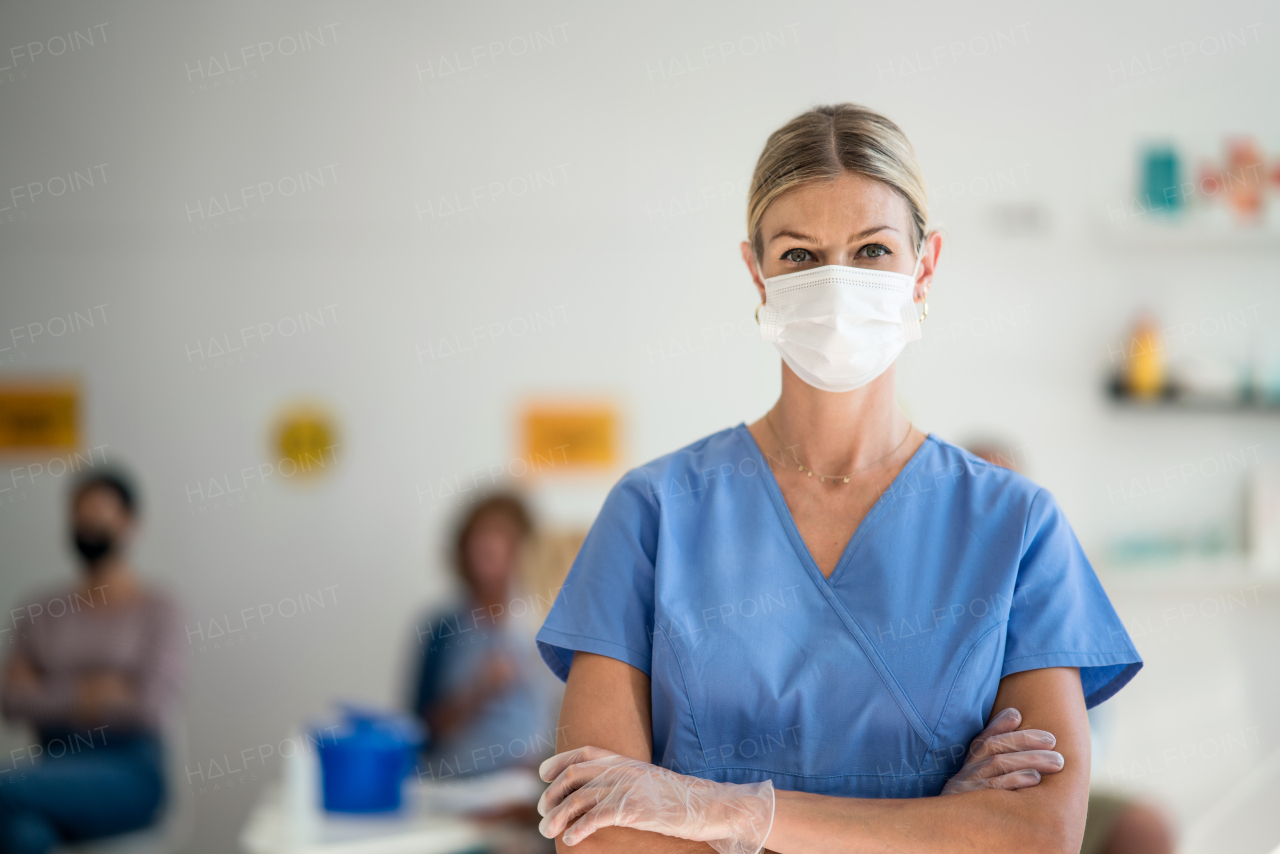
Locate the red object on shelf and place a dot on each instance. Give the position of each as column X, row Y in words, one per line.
column 1244, row 177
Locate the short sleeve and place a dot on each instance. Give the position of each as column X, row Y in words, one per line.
column 1060, row 615
column 606, row 603
column 426, row 689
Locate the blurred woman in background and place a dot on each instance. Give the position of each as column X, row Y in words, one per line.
column 95, row 670
column 477, row 688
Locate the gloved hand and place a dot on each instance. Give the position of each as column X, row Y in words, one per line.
column 602, row 789
column 1004, row 757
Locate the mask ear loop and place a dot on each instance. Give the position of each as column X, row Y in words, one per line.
column 919, row 263
column 760, row 270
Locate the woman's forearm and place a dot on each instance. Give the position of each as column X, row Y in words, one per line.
column 980, row 821
column 626, row 840
column 39, row 702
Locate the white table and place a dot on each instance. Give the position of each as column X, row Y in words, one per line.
column 430, row 822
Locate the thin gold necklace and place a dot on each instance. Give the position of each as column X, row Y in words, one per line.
column 822, row 478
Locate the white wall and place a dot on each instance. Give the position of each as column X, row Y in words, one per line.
column 628, row 139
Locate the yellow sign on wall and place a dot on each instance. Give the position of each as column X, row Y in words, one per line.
column 576, row 435
column 39, row 415
column 306, row 436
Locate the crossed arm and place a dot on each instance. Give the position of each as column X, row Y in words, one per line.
column 607, row 705
column 90, row 698
column 114, row 696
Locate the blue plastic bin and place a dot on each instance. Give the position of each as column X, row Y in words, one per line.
column 364, row 762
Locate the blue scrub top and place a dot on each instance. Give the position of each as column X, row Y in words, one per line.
column 869, row 684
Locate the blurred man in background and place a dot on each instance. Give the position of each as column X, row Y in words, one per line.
column 94, row 670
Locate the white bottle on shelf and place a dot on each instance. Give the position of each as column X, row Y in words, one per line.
column 1263, row 526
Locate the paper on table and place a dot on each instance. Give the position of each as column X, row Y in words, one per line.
column 478, row 793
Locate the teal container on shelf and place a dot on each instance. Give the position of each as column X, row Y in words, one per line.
column 364, row 760
column 1161, row 183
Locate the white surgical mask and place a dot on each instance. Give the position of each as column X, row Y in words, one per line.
column 839, row 327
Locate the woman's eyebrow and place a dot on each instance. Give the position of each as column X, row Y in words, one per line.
column 871, row 231
column 795, row 235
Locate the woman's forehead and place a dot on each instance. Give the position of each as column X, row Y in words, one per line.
column 837, row 209
column 99, row 500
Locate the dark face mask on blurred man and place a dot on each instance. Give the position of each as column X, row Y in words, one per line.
column 94, row 546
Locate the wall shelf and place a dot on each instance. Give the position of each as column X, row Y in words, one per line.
column 1191, row 404
column 1173, row 399
column 1188, row 232
column 1227, row 572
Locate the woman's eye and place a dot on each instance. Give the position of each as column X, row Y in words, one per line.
column 796, row 256
column 875, row 250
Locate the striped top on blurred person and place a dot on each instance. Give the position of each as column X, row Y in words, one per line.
column 95, row 669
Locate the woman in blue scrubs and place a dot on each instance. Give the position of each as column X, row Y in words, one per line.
column 790, row 634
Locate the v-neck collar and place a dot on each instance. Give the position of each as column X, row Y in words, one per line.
column 826, row 585
column 789, row 522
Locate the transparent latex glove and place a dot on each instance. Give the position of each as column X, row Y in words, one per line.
column 1005, row 757
column 592, row 788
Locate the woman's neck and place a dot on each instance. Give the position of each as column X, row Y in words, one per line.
column 838, row 433
column 113, row 581
column 495, row 601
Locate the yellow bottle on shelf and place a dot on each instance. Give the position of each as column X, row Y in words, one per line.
column 1145, row 369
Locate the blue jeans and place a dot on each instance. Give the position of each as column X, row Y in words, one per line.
column 78, row 791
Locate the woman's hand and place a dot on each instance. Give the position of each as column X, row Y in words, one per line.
column 100, row 690
column 592, row 788
column 496, row 674
column 1004, row 757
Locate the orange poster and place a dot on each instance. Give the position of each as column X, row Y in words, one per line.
column 574, row 435
column 37, row 415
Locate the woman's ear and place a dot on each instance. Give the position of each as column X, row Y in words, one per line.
column 928, row 264
column 749, row 258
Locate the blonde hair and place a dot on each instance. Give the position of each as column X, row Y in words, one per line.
column 823, row 143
